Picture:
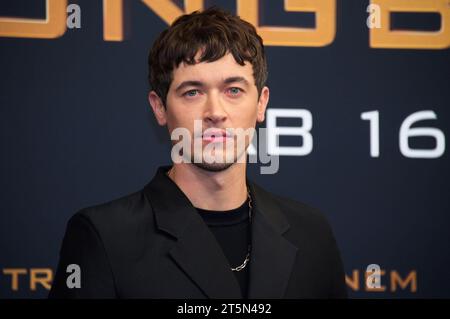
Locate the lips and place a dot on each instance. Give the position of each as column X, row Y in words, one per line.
column 215, row 135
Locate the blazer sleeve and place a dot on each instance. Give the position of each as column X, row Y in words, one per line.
column 338, row 285
column 83, row 246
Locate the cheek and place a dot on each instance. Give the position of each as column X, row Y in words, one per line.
column 180, row 119
column 245, row 117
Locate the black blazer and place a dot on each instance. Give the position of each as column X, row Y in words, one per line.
column 153, row 244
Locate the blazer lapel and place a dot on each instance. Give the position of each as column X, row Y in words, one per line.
column 196, row 250
column 198, row 254
column 272, row 256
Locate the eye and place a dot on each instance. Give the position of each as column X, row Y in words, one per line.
column 190, row 93
column 235, row 90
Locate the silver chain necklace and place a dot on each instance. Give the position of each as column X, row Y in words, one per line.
column 249, row 247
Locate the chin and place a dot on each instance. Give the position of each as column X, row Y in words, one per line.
column 213, row 167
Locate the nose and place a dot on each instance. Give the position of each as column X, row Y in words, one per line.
column 214, row 111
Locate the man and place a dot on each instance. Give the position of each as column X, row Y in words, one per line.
column 200, row 229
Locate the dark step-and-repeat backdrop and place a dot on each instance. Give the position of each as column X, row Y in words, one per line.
column 360, row 98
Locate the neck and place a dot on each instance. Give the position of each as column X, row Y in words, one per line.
column 223, row 190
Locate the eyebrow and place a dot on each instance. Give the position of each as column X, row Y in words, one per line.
column 232, row 79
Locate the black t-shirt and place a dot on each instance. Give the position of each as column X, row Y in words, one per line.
column 232, row 231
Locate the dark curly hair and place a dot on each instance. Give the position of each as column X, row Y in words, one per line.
column 215, row 31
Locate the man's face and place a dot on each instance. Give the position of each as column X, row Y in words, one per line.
column 220, row 95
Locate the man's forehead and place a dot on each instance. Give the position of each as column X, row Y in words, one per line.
column 216, row 71
column 227, row 59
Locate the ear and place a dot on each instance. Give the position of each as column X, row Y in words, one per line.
column 157, row 107
column 262, row 104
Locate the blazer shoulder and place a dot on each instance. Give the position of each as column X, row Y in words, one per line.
column 297, row 212
column 120, row 216
column 300, row 212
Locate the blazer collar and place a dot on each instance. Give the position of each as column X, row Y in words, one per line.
column 197, row 252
